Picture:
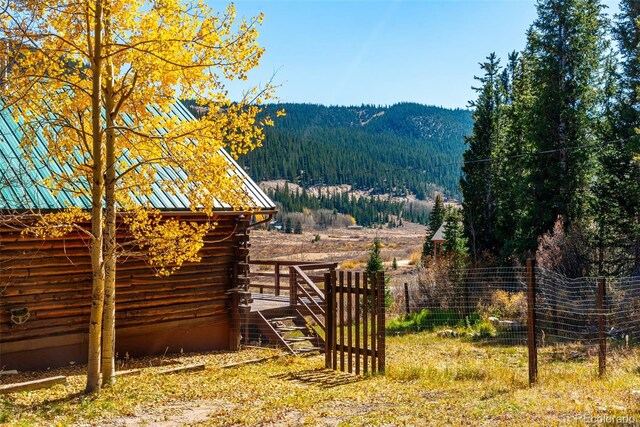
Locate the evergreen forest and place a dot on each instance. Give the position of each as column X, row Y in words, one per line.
column 552, row 167
column 398, row 150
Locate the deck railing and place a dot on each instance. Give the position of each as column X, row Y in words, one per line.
column 274, row 277
column 305, row 295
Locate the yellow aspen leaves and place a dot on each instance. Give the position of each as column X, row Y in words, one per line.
column 151, row 54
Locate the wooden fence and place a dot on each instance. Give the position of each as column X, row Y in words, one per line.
column 355, row 322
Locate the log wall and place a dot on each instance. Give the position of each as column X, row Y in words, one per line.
column 189, row 310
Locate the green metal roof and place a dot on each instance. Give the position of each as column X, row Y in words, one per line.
column 21, row 180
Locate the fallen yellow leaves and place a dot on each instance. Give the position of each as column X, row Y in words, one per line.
column 429, row 381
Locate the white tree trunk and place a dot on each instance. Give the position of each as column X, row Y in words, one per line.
column 108, row 326
column 97, row 189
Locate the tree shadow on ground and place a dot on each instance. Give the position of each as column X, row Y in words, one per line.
column 325, row 378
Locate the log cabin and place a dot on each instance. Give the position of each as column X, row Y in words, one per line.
column 45, row 285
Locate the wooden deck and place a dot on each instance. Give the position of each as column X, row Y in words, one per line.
column 263, row 302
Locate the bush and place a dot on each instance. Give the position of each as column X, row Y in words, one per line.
column 349, row 265
column 508, row 305
column 485, row 330
column 414, row 258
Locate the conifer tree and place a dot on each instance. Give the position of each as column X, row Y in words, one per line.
column 565, row 45
column 510, row 167
column 477, row 184
column 374, row 263
column 455, row 243
column 617, row 191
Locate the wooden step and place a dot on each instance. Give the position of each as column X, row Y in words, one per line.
column 307, row 349
column 281, row 319
column 292, row 328
column 298, row 339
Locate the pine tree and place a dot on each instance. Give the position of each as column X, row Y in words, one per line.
column 455, row 243
column 477, row 184
column 298, row 228
column 508, row 156
column 618, row 187
column 287, row 225
column 374, row 263
column 565, row 45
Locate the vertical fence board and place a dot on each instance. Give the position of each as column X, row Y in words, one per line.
column 357, row 322
column 341, row 310
column 349, row 323
column 292, row 287
column 381, row 322
column 329, row 316
column 372, row 302
column 334, row 325
column 365, row 322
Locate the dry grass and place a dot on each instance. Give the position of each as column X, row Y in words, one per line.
column 429, row 381
column 350, row 265
column 414, row 258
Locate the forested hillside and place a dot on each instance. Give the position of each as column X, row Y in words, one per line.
column 398, row 149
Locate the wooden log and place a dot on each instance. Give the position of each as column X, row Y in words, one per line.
column 187, row 368
column 24, row 334
column 251, row 361
column 32, row 385
column 128, row 372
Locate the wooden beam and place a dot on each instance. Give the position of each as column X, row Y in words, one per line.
column 186, row 368
column 32, row 385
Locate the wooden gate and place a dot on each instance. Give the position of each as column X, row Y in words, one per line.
column 355, row 322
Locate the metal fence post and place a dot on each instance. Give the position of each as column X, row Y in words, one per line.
column 602, row 337
column 531, row 321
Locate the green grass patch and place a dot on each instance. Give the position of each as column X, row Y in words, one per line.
column 427, row 320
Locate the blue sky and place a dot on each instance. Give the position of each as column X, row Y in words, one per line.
column 383, row 52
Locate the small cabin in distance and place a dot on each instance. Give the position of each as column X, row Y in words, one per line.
column 45, row 285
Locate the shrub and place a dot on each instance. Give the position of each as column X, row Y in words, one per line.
column 512, row 306
column 414, row 258
column 485, row 330
column 349, row 265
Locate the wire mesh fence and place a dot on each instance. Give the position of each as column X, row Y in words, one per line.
column 483, row 304
column 571, row 318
